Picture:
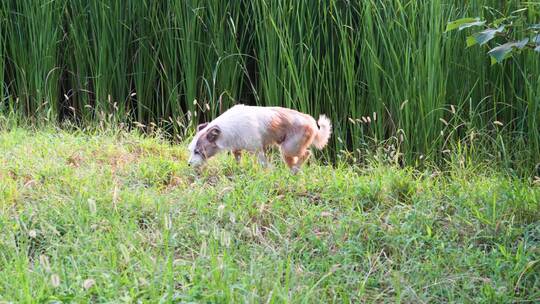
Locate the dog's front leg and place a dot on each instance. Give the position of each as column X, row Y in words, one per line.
column 237, row 155
column 261, row 156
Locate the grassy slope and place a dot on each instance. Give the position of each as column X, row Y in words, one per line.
column 126, row 212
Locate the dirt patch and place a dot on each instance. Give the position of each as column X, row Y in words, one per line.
column 75, row 160
column 117, row 159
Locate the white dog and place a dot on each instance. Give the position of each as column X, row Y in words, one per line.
column 255, row 129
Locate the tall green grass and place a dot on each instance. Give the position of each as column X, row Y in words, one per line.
column 2, row 57
column 384, row 71
column 32, row 35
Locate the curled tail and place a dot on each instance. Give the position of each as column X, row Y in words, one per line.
column 325, row 129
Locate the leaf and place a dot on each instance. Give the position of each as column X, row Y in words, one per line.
column 467, row 25
column 522, row 43
column 504, row 51
column 484, row 36
column 534, row 27
column 471, row 41
column 463, row 24
column 521, row 10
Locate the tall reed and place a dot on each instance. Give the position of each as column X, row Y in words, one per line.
column 384, row 71
column 33, row 34
column 3, row 22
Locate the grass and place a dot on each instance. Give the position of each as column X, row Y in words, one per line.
column 115, row 216
column 146, row 63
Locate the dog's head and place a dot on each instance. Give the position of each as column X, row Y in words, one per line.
column 203, row 146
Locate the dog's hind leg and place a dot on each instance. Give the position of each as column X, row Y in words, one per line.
column 303, row 158
column 295, row 148
column 290, row 161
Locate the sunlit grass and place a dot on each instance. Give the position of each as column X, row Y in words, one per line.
column 114, row 216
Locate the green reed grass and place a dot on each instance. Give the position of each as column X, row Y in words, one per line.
column 32, row 35
column 384, row 71
column 2, row 57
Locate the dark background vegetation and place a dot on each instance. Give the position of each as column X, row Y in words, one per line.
column 384, row 71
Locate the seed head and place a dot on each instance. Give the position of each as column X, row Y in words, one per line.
column 32, row 233
column 88, row 283
column 44, row 262
column 443, row 121
column 55, row 280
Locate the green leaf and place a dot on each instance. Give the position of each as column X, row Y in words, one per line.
column 471, row 41
column 534, row 27
column 536, row 40
column 485, row 36
column 464, row 23
column 504, row 51
column 467, row 25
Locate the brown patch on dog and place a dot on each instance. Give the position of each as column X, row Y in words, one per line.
column 290, row 160
column 206, row 144
column 295, row 150
column 279, row 126
column 237, row 155
column 303, row 158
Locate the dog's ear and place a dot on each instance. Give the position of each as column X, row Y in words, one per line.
column 201, row 126
column 213, row 134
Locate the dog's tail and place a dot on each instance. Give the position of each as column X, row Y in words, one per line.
column 325, row 129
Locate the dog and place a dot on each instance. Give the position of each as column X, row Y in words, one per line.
column 255, row 129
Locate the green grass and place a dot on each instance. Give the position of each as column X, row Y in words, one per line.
column 126, row 212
